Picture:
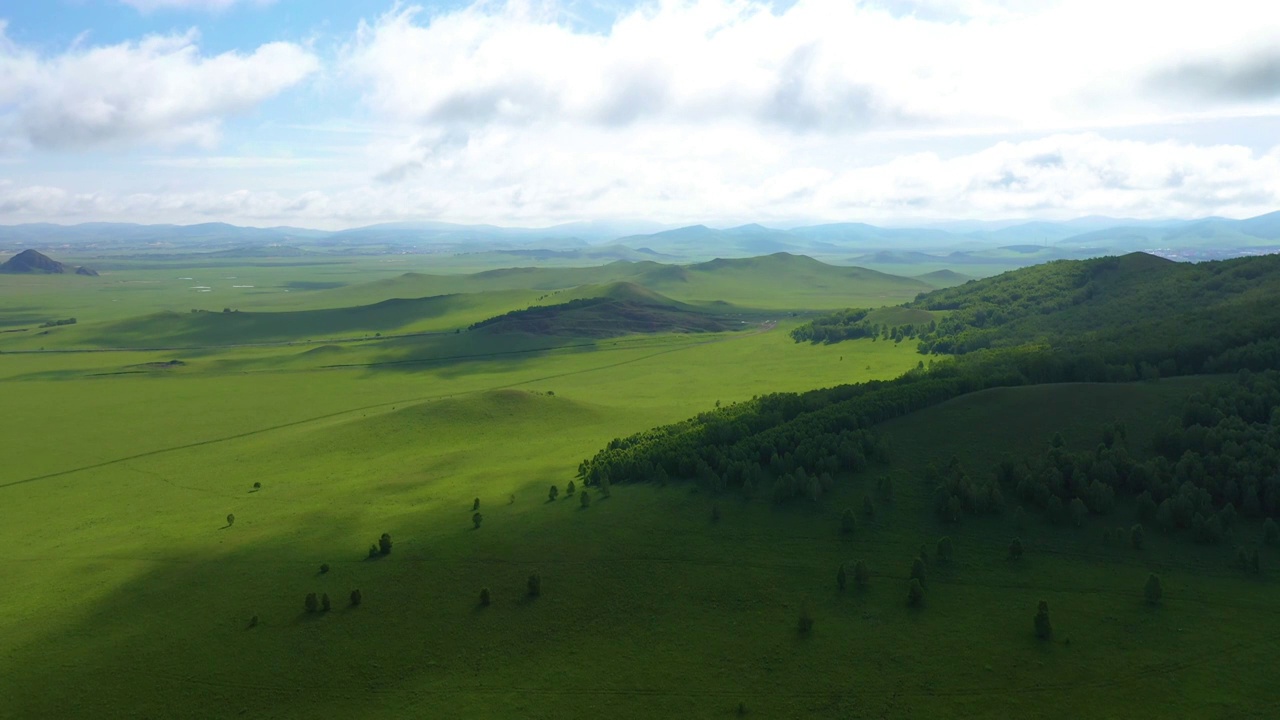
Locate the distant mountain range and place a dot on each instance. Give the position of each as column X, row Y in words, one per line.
column 953, row 243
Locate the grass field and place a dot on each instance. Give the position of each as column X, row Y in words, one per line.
column 128, row 595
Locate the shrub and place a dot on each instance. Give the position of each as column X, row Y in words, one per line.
column 535, row 585
column 311, row 603
column 861, row 574
column 324, row 602
column 715, row 513
column 945, row 550
column 373, row 551
column 553, row 493
column 253, row 621
column 841, row 578
column 475, row 505
column 1271, row 532
column 476, row 519
column 1154, row 591
column 257, row 486
column 1136, row 537
column 231, row 519
column 918, row 571
column 356, row 598
column 570, row 489
column 915, row 593
column 804, row 623
column 484, row 597
column 1015, row 549
column 384, row 544
column 868, row 507
column 585, row 499
column 324, row 568
column 847, row 522
column 1044, row 628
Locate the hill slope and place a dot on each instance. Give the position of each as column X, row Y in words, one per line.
column 610, row 311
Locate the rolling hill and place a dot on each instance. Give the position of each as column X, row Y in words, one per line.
column 610, row 311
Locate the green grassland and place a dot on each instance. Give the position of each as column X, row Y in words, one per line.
column 128, row 595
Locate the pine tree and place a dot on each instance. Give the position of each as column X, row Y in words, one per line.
column 1044, row 628
column 915, row 593
column 861, row 574
column 1015, row 549
column 847, row 522
column 1154, row 591
column 841, row 579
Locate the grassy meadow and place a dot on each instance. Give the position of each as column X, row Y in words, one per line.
column 362, row 405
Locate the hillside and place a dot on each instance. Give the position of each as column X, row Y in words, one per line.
column 610, row 311
column 199, row 329
column 1135, row 308
column 780, row 281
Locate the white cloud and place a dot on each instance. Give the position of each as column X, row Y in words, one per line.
column 829, row 65
column 158, row 89
column 612, row 173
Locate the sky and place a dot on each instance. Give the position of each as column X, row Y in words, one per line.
column 338, row 113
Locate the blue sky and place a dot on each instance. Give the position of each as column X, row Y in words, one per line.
column 332, row 114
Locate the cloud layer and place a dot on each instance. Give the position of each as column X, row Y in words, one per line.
column 702, row 110
column 1059, row 176
column 159, row 89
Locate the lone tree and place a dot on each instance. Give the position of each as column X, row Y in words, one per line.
column 311, row 603
column 1044, row 628
column 841, row 578
column 553, row 494
column 476, row 520
column 861, row 574
column 915, row 593
column 257, row 486
column 884, row 488
column 570, row 489
column 324, row 568
column 715, row 513
column 804, row 623
column 535, row 585
column 384, row 544
column 324, row 602
column 1078, row 512
column 231, row 519
column 484, row 597
column 868, row 507
column 1015, row 549
column 585, row 499
column 1271, row 532
column 356, row 598
column 1154, row 590
column 1136, row 536
column 253, row 621
column 475, row 505
column 847, row 522
column 918, row 571
column 945, row 549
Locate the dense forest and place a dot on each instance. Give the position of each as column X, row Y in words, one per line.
column 1105, row 320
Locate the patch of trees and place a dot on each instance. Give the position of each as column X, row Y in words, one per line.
column 58, row 323
column 957, row 494
column 853, row 324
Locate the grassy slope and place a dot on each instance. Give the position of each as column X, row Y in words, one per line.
column 648, row 610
